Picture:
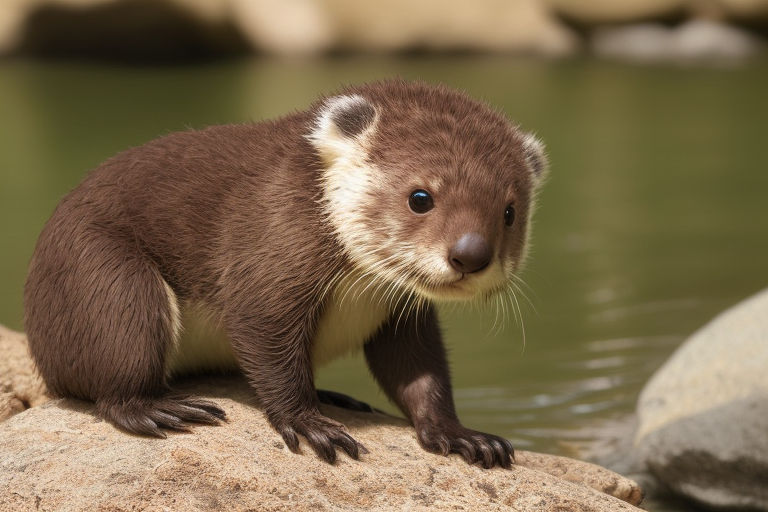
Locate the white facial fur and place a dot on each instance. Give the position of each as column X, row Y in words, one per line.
column 348, row 176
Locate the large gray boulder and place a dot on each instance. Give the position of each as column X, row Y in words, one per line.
column 703, row 417
column 59, row 456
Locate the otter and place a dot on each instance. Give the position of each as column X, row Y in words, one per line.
column 305, row 237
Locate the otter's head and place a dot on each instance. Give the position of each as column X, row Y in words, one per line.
column 427, row 189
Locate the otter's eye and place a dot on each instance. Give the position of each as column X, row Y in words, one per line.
column 509, row 215
column 420, row 201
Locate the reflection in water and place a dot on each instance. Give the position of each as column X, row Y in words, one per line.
column 613, row 314
column 606, row 362
column 654, row 218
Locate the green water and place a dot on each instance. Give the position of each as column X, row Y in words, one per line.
column 655, row 217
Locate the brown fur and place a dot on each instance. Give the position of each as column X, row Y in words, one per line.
column 233, row 217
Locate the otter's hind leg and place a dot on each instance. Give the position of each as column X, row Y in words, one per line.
column 100, row 321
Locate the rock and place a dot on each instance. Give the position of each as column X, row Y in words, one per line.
column 641, row 42
column 748, row 10
column 483, row 25
column 601, row 12
column 693, row 40
column 178, row 28
column 596, row 12
column 20, row 386
column 119, row 27
column 284, row 27
column 13, row 14
column 58, row 456
column 703, row 417
column 702, row 39
column 158, row 30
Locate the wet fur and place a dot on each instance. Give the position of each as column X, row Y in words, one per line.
column 238, row 219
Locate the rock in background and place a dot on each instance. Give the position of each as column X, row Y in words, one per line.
column 703, row 417
column 293, row 26
column 284, row 27
column 178, row 29
column 696, row 40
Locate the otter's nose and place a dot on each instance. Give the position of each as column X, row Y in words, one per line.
column 470, row 253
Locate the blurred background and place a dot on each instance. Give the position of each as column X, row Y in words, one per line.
column 654, row 112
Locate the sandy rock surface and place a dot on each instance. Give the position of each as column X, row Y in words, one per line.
column 703, row 417
column 59, row 456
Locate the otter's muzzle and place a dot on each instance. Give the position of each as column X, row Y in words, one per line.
column 471, row 253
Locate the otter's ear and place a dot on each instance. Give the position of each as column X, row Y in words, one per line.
column 535, row 157
column 342, row 125
column 351, row 115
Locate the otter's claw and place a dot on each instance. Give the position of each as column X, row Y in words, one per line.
column 473, row 446
column 323, row 435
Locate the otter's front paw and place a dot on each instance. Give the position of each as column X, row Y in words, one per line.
column 487, row 449
column 323, row 435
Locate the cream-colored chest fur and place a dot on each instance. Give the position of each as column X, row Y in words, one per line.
column 201, row 345
column 354, row 312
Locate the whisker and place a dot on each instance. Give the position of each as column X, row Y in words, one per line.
column 520, row 315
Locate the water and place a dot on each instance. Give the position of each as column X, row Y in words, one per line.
column 655, row 217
